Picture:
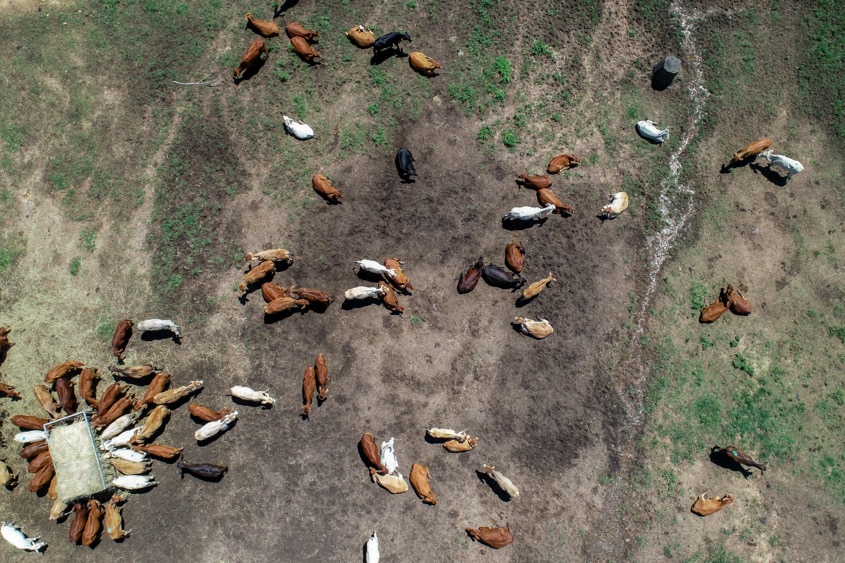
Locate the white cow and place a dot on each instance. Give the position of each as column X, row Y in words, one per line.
column 648, row 130
column 372, row 549
column 374, row 267
column 528, row 213
column 388, row 456
column 249, row 394
column 159, row 324
column 791, row 167
column 363, row 292
column 297, row 128
column 618, row 204
column 12, row 534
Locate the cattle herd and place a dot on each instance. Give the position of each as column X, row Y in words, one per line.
column 128, row 441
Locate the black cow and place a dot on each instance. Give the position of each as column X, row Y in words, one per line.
column 405, row 164
column 390, row 41
column 499, row 277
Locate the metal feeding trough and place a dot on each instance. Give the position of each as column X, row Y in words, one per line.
column 75, row 458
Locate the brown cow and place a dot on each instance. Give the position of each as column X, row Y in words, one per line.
column 738, row 456
column 93, row 526
column 205, row 414
column 156, row 386
column 546, row 196
column 421, row 482
column 400, row 280
column 88, row 386
column 712, row 312
column 514, row 256
column 118, row 409
column 314, row 296
column 305, row 51
column 64, row 369
column 494, row 537
column 263, row 270
column 361, row 37
column 469, row 279
column 371, row 453
column 39, row 462
column 29, row 422
column 7, row 390
column 562, row 161
column 295, row 29
column 322, row 373
column 134, row 373
column 166, row 453
column 112, row 393
column 389, row 299
column 309, row 383
column 271, row 291
column 122, row 334
column 324, row 187
column 283, row 304
column 535, row 182
column 33, row 449
column 263, row 28
column 252, row 57
column 738, row 304
column 751, row 150
column 423, row 64
column 706, row 506
column 67, row 397
column 42, row 478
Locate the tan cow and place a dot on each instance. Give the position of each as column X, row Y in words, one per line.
column 704, row 506
column 751, row 150
column 423, row 64
column 263, row 270
column 562, row 161
column 324, row 187
column 421, row 481
column 496, row 538
column 361, row 37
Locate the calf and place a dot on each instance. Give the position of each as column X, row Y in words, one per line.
column 514, row 256
column 405, row 164
column 738, row 304
column 538, row 329
column 321, row 371
column 469, row 278
column 255, row 54
column 309, row 384
column 704, row 506
column 390, row 41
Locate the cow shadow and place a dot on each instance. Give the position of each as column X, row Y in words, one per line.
column 251, row 71
column 521, row 225
column 407, row 180
column 153, row 335
column 722, row 460
column 369, row 276
column 287, row 5
column 770, row 174
column 727, row 168
column 523, row 301
column 280, row 316
column 381, row 56
column 490, row 482
column 134, row 380
column 350, row 304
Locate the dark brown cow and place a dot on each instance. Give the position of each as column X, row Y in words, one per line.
column 737, row 455
column 263, row 28
column 295, row 29
column 562, row 161
column 42, row 478
column 469, row 279
column 4, row 342
column 88, row 386
column 122, row 334
column 252, row 57
column 305, row 51
column 67, row 396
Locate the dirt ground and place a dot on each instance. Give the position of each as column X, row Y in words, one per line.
column 545, row 412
